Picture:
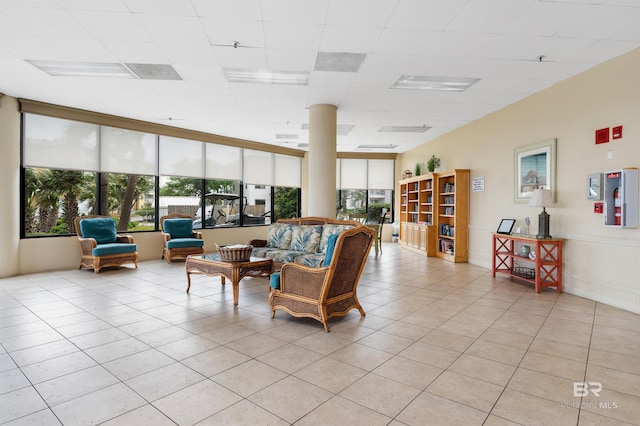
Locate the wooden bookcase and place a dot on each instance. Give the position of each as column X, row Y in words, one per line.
column 417, row 213
column 434, row 214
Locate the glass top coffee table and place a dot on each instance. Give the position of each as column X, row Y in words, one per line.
column 211, row 265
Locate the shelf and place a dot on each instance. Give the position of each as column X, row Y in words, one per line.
column 543, row 271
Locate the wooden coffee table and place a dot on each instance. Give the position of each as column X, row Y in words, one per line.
column 211, row 265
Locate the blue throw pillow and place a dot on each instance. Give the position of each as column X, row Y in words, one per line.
column 331, row 245
column 274, row 280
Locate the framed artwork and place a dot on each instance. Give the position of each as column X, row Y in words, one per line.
column 535, row 168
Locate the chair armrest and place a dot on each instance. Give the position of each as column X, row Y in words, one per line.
column 301, row 280
column 87, row 244
column 124, row 239
column 197, row 234
column 258, row 243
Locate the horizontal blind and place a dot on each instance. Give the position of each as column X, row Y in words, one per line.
column 128, row 151
column 380, row 174
column 353, row 174
column 288, row 171
column 60, row 144
column 181, row 157
column 258, row 167
column 223, row 162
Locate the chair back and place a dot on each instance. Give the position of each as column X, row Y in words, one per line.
column 101, row 228
column 174, row 216
column 349, row 257
column 177, row 225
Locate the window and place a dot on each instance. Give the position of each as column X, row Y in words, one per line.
column 365, row 188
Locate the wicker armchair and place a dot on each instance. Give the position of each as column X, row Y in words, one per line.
column 322, row 293
column 101, row 246
column 179, row 238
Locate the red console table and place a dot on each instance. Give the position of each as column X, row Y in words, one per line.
column 545, row 270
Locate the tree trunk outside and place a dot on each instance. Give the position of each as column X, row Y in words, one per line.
column 127, row 203
column 103, row 202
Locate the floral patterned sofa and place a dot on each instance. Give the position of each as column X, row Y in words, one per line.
column 301, row 240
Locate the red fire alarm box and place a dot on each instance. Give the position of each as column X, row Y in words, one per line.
column 598, row 207
column 616, row 132
column 602, row 135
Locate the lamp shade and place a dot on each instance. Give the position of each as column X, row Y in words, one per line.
column 541, row 198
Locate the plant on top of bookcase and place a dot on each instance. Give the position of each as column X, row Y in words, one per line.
column 433, row 163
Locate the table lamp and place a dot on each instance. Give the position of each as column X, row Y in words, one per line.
column 542, row 198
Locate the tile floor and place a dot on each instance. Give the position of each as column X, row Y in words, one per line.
column 441, row 344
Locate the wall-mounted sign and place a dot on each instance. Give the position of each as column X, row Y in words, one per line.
column 477, row 184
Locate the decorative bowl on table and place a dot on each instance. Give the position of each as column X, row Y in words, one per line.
column 235, row 252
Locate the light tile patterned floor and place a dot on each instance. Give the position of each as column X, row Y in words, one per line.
column 442, row 344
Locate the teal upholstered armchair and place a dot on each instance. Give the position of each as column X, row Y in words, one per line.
column 101, row 245
column 179, row 238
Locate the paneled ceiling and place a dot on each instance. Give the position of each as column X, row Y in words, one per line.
column 513, row 47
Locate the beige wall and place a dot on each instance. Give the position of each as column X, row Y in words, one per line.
column 599, row 262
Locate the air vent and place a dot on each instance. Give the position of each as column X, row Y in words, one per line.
column 339, row 62
column 154, row 71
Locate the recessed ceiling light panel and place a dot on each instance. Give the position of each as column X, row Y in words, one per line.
column 404, row 129
column 82, row 69
column 373, row 146
column 447, row 84
column 239, row 75
column 286, row 136
column 341, row 129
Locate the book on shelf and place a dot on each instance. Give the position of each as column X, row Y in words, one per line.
column 447, row 230
column 445, row 246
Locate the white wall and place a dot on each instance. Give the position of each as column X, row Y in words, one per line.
column 599, row 262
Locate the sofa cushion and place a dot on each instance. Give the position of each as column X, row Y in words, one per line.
column 178, row 227
column 280, row 236
column 327, row 231
column 184, row 242
column 306, row 238
column 283, row 256
column 113, row 248
column 313, row 260
column 102, row 229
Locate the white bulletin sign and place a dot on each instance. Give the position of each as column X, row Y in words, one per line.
column 477, row 184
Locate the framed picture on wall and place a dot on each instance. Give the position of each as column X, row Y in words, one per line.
column 535, row 168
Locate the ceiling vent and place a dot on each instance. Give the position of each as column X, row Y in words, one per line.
column 339, row 62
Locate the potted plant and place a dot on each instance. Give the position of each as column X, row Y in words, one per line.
column 418, row 169
column 433, row 163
